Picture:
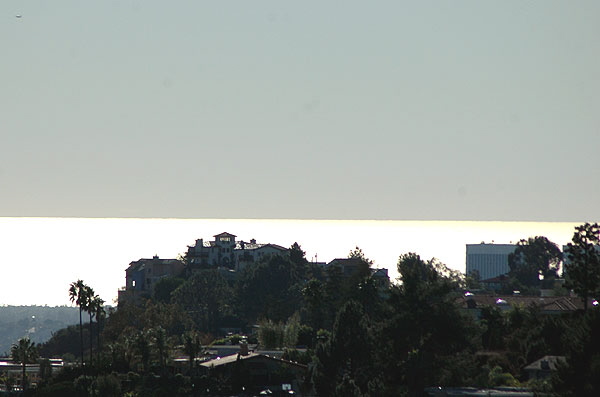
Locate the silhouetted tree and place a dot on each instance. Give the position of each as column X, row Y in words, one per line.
column 142, row 347
column 164, row 288
column 97, row 308
column 314, row 295
column 345, row 361
column 579, row 374
column 24, row 352
column 192, row 346
column 582, row 264
column 268, row 289
column 89, row 305
column 79, row 294
column 532, row 258
column 206, row 295
column 424, row 328
column 159, row 336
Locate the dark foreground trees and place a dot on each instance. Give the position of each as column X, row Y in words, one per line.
column 582, row 264
column 80, row 294
column 24, row 352
column 579, row 374
column 363, row 337
column 206, row 296
column 534, row 259
column 425, row 331
column 413, row 342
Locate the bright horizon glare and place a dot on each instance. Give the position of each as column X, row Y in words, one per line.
column 42, row 256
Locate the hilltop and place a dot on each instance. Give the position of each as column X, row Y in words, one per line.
column 36, row 322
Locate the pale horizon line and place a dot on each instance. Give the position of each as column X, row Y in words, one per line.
column 294, row 219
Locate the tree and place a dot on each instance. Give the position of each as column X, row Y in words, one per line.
column 191, row 346
column 107, row 386
column 314, row 295
column 159, row 336
column 418, row 276
column 45, row 371
column 78, row 294
column 164, row 288
column 298, row 260
column 347, row 357
column 357, row 253
column 270, row 334
column 424, row 327
column 97, row 308
column 534, row 258
column 24, row 352
column 89, row 306
column 579, row 374
column 363, row 269
column 142, row 347
column 582, row 265
column 268, row 289
column 206, row 296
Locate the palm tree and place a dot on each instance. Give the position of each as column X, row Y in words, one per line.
column 89, row 305
column 78, row 295
column 99, row 313
column 24, row 352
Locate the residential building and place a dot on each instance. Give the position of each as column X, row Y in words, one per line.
column 14, row 370
column 260, row 372
column 141, row 275
column 489, row 260
column 543, row 368
column 473, row 303
column 503, row 391
column 349, row 266
column 225, row 251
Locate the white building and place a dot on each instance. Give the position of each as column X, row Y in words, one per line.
column 489, row 260
column 225, row 251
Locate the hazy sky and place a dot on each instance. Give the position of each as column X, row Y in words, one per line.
column 465, row 110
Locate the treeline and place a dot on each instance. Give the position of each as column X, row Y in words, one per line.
column 363, row 337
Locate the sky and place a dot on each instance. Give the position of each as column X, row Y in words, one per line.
column 437, row 110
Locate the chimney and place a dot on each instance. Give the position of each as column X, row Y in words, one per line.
column 244, row 348
column 253, row 241
column 545, row 365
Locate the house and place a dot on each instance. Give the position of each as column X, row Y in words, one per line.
column 543, row 368
column 495, row 283
column 547, row 304
column 256, row 372
column 14, row 370
column 439, row 391
column 350, row 266
column 141, row 275
column 225, row 251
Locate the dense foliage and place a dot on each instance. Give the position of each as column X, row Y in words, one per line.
column 362, row 337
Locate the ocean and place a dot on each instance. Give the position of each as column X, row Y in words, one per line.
column 40, row 257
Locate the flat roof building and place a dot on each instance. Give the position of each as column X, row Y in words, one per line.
column 489, row 260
